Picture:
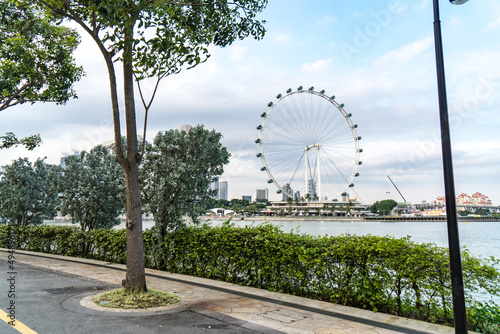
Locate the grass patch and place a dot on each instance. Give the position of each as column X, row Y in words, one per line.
column 136, row 299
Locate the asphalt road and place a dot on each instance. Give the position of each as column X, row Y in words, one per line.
column 48, row 302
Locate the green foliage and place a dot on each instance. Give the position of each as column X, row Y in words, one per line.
column 464, row 213
column 10, row 140
column 92, row 185
column 395, row 276
column 383, row 207
column 222, row 203
column 159, row 37
column 482, row 212
column 36, row 62
column 28, row 192
column 153, row 39
column 177, row 171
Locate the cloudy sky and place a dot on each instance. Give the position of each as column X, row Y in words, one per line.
column 377, row 57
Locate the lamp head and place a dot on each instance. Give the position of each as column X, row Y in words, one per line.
column 458, row 2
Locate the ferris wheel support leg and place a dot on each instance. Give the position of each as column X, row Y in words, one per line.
column 319, row 176
column 306, row 172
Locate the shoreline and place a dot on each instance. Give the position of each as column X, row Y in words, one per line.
column 321, row 219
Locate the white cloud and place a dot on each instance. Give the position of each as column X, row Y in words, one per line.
column 404, row 54
column 493, row 24
column 237, row 52
column 422, row 5
column 327, row 20
column 282, row 38
column 319, row 66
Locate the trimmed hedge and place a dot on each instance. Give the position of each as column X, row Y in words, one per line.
column 395, row 276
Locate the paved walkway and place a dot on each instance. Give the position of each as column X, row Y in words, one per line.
column 233, row 308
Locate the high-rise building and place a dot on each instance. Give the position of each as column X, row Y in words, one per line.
column 311, row 187
column 223, row 190
column 185, row 127
column 248, row 198
column 287, row 191
column 296, row 195
column 262, row 194
column 215, row 186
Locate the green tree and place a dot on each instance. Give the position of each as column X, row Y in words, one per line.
column 28, row 192
column 10, row 140
column 36, row 63
column 177, row 172
column 464, row 213
column 383, row 207
column 92, row 187
column 36, row 57
column 152, row 39
column 289, row 200
column 223, row 203
column 482, row 212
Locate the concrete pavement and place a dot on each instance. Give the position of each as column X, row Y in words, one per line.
column 53, row 295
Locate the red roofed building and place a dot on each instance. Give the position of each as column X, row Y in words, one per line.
column 476, row 199
column 464, row 199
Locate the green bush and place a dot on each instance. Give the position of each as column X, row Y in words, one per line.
column 385, row 274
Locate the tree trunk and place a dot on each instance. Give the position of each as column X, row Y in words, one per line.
column 136, row 278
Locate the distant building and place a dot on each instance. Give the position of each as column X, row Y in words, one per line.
column 296, row 195
column 464, row 199
column 311, row 187
column 185, row 127
column 287, row 191
column 248, row 198
column 215, row 186
column 440, row 201
column 475, row 199
column 262, row 194
column 223, row 190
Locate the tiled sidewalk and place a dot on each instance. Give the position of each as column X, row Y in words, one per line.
column 255, row 309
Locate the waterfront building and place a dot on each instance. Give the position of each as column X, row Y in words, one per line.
column 223, row 190
column 215, row 186
column 476, row 199
column 350, row 208
column 287, row 189
column 262, row 194
column 440, row 201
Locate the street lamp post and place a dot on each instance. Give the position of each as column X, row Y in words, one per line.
column 451, row 208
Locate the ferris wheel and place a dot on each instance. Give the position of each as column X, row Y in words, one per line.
column 309, row 145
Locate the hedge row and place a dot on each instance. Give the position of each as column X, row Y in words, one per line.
column 395, row 276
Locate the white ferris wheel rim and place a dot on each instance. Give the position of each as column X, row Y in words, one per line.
column 354, row 138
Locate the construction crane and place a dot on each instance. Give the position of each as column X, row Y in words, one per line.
column 396, row 188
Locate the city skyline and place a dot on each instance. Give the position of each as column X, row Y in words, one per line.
column 377, row 57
